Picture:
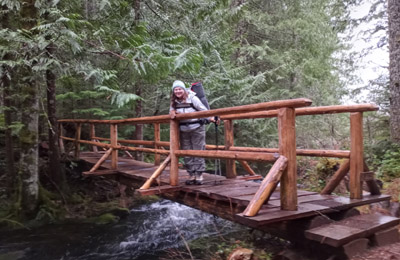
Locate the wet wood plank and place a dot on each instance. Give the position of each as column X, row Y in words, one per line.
column 334, row 204
column 275, row 195
column 344, row 231
column 100, row 173
column 239, row 191
column 339, row 203
column 307, row 198
column 158, row 190
column 271, row 213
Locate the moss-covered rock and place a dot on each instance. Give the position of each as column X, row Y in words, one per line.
column 120, row 212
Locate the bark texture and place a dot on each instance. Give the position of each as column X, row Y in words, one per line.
column 139, row 127
column 9, row 144
column 29, row 137
column 55, row 170
column 394, row 68
column 138, row 87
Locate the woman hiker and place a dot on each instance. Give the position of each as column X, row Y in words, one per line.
column 192, row 131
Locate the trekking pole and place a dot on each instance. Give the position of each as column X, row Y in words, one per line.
column 217, row 165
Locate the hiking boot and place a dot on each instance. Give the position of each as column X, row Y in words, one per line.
column 198, row 182
column 199, row 179
column 191, row 180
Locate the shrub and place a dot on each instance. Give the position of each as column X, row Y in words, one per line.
column 390, row 164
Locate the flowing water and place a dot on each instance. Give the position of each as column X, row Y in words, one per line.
column 144, row 234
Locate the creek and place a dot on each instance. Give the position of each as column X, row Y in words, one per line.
column 145, row 234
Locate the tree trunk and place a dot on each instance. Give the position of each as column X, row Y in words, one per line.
column 239, row 31
column 137, row 11
column 56, row 171
column 138, row 87
column 9, row 144
column 394, row 68
column 138, row 127
column 29, row 162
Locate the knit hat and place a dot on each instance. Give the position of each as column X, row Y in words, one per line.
column 178, row 83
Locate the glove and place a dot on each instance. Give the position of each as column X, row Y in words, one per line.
column 204, row 121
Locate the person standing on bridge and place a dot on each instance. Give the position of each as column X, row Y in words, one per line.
column 192, row 131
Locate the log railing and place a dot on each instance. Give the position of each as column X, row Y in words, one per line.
column 285, row 166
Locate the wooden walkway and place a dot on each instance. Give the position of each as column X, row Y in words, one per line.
column 235, row 192
column 283, row 211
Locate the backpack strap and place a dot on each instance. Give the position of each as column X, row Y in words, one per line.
column 185, row 105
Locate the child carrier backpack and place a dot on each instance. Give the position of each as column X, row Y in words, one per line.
column 199, row 90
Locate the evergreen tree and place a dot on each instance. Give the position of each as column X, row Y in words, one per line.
column 29, row 134
column 394, row 69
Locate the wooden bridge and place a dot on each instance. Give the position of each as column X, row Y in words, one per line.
column 274, row 204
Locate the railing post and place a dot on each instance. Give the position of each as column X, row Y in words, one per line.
column 114, row 143
column 60, row 140
column 174, row 146
column 92, row 137
column 228, row 133
column 287, row 148
column 77, row 138
column 157, row 157
column 356, row 154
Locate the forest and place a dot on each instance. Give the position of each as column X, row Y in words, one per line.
column 117, row 59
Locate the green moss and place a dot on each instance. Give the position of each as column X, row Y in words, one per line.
column 120, row 212
column 316, row 176
column 139, row 200
column 104, row 219
column 27, row 137
column 46, row 195
column 50, row 207
column 75, row 199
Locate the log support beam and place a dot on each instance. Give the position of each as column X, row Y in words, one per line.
column 157, row 173
column 102, row 159
column 77, row 139
column 356, row 155
column 287, row 148
column 114, row 143
column 336, row 178
column 267, row 187
column 228, row 134
column 247, row 167
column 93, row 137
column 174, row 147
column 157, row 157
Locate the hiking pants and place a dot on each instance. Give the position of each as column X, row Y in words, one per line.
column 194, row 140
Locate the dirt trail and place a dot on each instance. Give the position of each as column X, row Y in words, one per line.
column 389, row 252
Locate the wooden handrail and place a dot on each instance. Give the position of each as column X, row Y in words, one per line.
column 293, row 103
column 299, row 152
column 118, row 147
column 305, row 111
column 285, row 110
column 247, row 156
column 300, row 102
column 225, row 114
